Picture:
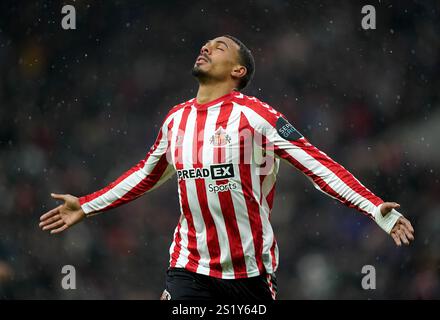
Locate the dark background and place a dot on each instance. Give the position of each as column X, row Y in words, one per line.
column 79, row 107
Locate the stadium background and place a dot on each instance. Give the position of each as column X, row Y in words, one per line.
column 78, row 108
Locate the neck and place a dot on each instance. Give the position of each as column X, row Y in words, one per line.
column 210, row 91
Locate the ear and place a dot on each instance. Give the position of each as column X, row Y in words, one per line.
column 238, row 72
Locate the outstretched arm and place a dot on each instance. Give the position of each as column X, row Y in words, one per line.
column 282, row 139
column 148, row 174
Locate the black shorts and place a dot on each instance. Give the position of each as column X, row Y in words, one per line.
column 182, row 284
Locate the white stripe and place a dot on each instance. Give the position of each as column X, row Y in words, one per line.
column 199, row 224
column 191, row 190
column 184, row 253
column 175, row 131
column 182, row 233
column 277, row 257
column 187, row 143
column 268, row 233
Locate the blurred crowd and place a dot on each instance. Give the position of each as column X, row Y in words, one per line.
column 79, row 107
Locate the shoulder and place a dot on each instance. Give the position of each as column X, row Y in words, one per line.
column 178, row 107
column 260, row 110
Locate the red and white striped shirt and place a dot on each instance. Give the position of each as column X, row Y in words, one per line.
column 226, row 156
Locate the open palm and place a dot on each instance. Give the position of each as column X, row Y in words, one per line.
column 64, row 216
column 402, row 231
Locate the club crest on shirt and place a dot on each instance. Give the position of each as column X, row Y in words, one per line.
column 220, row 138
column 179, row 141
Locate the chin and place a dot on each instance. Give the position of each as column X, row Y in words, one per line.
column 198, row 72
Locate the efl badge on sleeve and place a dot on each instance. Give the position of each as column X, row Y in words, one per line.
column 286, row 130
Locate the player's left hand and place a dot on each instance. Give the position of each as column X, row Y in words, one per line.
column 402, row 231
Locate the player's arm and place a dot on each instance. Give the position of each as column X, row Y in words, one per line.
column 327, row 175
column 148, row 174
column 145, row 176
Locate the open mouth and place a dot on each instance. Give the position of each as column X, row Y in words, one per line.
column 201, row 59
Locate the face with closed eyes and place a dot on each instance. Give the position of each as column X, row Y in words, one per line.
column 218, row 61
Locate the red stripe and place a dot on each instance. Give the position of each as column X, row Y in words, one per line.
column 177, row 247
column 252, row 205
column 235, row 245
column 262, row 176
column 215, row 268
column 272, row 253
column 194, row 255
column 222, row 121
column 271, row 288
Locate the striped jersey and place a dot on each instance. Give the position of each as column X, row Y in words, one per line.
column 225, row 155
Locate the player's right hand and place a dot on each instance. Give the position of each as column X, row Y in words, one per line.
column 64, row 216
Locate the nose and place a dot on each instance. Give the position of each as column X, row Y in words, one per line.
column 205, row 49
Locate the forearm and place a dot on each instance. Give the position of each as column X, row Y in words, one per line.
column 330, row 177
column 333, row 179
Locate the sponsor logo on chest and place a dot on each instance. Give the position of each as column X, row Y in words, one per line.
column 215, row 172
